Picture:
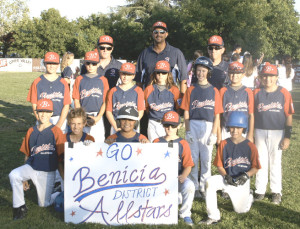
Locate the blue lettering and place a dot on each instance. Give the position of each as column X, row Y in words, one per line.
column 82, row 179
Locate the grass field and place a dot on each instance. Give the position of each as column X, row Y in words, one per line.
column 16, row 117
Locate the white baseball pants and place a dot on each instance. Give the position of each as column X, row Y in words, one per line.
column 269, row 152
column 240, row 196
column 201, row 131
column 187, row 190
column 155, row 130
column 43, row 181
column 97, row 131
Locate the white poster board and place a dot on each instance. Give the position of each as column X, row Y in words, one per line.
column 16, row 65
column 122, row 183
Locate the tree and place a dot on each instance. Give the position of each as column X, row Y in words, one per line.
column 12, row 12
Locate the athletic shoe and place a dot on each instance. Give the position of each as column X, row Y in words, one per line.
column 258, row 197
column 225, row 195
column 276, row 198
column 20, row 212
column 57, row 187
column 188, row 221
column 209, row 221
column 203, row 195
column 198, row 194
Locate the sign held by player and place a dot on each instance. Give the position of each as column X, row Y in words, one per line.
column 121, row 183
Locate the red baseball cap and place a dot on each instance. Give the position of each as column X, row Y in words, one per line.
column 162, row 66
column 51, row 58
column 128, row 68
column 236, row 67
column 269, row 70
column 92, row 57
column 160, row 24
column 171, row 117
column 44, row 105
column 215, row 40
column 105, row 39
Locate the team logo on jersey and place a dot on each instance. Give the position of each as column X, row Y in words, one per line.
column 274, row 106
column 238, row 161
column 160, row 107
column 52, row 96
column 45, row 147
column 199, row 104
column 86, row 93
column 117, row 106
column 236, row 107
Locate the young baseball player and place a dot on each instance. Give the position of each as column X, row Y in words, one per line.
column 51, row 86
column 171, row 121
column 126, row 94
column 89, row 92
column 42, row 146
column 161, row 96
column 236, row 160
column 202, row 107
column 127, row 121
column 237, row 97
column 273, row 109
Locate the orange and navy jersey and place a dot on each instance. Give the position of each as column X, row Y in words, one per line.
column 236, row 100
column 57, row 91
column 159, row 102
column 203, row 103
column 85, row 137
column 237, row 158
column 272, row 108
column 91, row 92
column 118, row 98
column 185, row 155
column 118, row 137
column 43, row 148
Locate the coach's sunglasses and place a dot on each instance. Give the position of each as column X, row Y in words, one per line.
column 214, row 47
column 159, row 31
column 88, row 63
column 169, row 125
column 107, row 48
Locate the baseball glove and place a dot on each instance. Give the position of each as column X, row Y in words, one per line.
column 241, row 179
column 90, row 121
column 228, row 180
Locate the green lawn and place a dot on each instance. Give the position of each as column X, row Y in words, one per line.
column 16, row 117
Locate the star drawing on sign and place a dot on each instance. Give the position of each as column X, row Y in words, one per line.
column 139, row 151
column 167, row 154
column 73, row 213
column 166, row 192
column 71, row 158
column 99, row 153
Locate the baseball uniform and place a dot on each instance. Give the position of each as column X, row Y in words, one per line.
column 159, row 100
column 219, row 75
column 203, row 103
column 118, row 137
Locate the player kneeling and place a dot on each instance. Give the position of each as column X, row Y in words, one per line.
column 236, row 160
column 127, row 121
column 171, row 121
column 42, row 146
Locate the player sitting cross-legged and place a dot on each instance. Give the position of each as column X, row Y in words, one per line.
column 42, row 146
column 127, row 121
column 171, row 121
column 236, row 160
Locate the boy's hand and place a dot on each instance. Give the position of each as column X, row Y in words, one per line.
column 143, row 141
column 26, row 185
column 228, row 180
column 181, row 178
column 189, row 137
column 212, row 139
column 90, row 121
column 285, row 143
column 109, row 141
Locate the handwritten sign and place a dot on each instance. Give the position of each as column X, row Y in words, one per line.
column 121, row 183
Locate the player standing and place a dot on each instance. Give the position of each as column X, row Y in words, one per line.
column 90, row 93
column 161, row 96
column 171, row 121
column 42, row 146
column 202, row 107
column 51, row 86
column 236, row 160
column 273, row 109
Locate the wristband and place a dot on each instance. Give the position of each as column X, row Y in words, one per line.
column 288, row 132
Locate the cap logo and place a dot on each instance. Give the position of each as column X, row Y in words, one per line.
column 269, row 68
column 106, row 38
column 204, row 62
column 51, row 57
column 214, row 39
column 127, row 67
column 159, row 24
column 128, row 110
column 92, row 55
column 169, row 116
column 162, row 65
column 44, row 104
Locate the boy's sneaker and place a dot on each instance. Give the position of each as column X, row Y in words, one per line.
column 225, row 195
column 20, row 212
column 258, row 197
column 198, row 194
column 209, row 221
column 188, row 221
column 276, row 198
column 203, row 195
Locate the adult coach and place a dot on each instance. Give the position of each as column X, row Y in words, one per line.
column 108, row 67
column 219, row 74
column 161, row 50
